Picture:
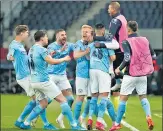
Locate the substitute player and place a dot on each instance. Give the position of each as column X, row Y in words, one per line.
column 118, row 29
column 41, row 83
column 59, row 49
column 138, row 62
column 18, row 55
column 100, row 80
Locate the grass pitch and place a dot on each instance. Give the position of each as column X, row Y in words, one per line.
column 12, row 105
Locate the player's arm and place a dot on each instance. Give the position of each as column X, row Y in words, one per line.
column 112, row 55
column 78, row 53
column 50, row 60
column 127, row 55
column 113, row 44
column 153, row 54
column 10, row 54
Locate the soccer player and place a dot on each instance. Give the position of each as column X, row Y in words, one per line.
column 118, row 29
column 82, row 73
column 100, row 80
column 138, row 62
column 59, row 49
column 18, row 55
column 40, row 82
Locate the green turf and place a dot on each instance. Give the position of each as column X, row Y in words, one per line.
column 12, row 105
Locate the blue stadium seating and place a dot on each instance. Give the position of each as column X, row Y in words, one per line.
column 50, row 14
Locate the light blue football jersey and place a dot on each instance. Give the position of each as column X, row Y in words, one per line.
column 82, row 67
column 20, row 63
column 38, row 65
column 59, row 69
column 99, row 58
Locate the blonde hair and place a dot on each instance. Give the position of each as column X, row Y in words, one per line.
column 87, row 26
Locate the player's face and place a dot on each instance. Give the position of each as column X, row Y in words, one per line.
column 129, row 30
column 62, row 37
column 87, row 34
column 24, row 35
column 111, row 10
column 44, row 40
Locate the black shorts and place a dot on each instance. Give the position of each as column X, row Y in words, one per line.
column 118, row 61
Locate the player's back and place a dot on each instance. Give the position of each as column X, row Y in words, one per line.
column 82, row 67
column 38, row 65
column 59, row 69
column 99, row 58
column 20, row 63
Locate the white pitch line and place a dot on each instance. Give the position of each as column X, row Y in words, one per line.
column 125, row 124
column 160, row 116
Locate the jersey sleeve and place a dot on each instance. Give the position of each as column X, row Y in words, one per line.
column 111, row 52
column 115, row 26
column 11, row 52
column 44, row 53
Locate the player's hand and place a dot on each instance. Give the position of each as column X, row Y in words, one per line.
column 87, row 50
column 97, row 44
column 117, row 71
column 11, row 58
column 53, row 53
column 67, row 58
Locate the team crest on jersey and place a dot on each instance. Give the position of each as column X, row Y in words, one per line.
column 114, row 21
column 80, row 90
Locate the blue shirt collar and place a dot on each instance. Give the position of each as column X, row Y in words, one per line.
column 116, row 15
column 133, row 35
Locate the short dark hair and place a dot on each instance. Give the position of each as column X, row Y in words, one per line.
column 99, row 26
column 39, row 34
column 59, row 30
column 133, row 25
column 21, row 28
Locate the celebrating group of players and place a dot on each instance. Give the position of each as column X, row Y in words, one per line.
column 42, row 73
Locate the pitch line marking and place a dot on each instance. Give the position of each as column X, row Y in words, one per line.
column 125, row 124
column 160, row 116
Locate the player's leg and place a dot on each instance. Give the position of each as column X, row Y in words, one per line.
column 128, row 85
column 141, row 89
column 66, row 89
column 81, row 92
column 95, row 94
column 104, row 80
column 43, row 102
column 111, row 109
column 83, row 116
column 25, row 84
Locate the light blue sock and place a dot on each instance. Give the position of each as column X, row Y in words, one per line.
column 118, row 81
column 86, row 108
column 92, row 107
column 70, row 100
column 43, row 117
column 77, row 110
column 66, row 110
column 146, row 106
column 43, row 114
column 121, row 111
column 35, row 112
column 102, row 107
column 28, row 108
column 111, row 110
column 96, row 109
